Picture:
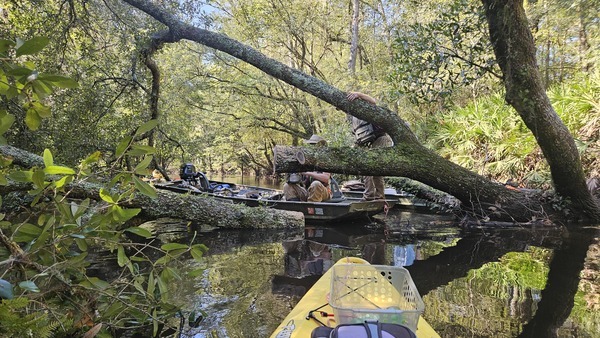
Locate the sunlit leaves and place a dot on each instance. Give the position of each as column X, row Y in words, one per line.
column 106, row 196
column 25, row 81
column 58, row 170
column 48, row 159
column 441, row 51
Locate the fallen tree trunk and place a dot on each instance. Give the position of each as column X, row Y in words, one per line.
column 204, row 211
column 486, row 199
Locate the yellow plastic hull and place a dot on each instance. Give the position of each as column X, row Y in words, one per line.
column 297, row 325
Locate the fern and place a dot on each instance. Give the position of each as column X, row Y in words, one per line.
column 16, row 322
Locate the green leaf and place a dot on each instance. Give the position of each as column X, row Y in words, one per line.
column 78, row 258
column 28, row 228
column 121, row 256
column 64, row 180
column 151, row 284
column 113, row 310
column 81, row 244
column 19, row 71
column 197, row 254
column 140, row 232
column 95, row 282
column 140, row 169
column 144, row 187
column 42, row 238
column 93, row 158
column 60, row 81
column 38, row 179
column 32, row 119
column 163, row 287
column 58, row 170
column 21, row 176
column 154, row 324
column 139, row 150
column 123, row 145
column 196, row 272
column 146, row 127
column 163, row 260
column 177, row 252
column 79, row 210
column 168, row 274
column 5, row 45
column 48, row 159
column 6, row 290
column 172, row 246
column 42, row 90
column 29, row 286
column 106, row 197
column 32, row 46
column 123, row 214
column 6, row 122
column 42, row 110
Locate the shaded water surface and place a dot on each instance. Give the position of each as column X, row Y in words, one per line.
column 475, row 283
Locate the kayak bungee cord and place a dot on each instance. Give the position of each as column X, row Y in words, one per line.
column 322, row 313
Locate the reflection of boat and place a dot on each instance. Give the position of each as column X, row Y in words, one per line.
column 300, row 321
column 336, row 209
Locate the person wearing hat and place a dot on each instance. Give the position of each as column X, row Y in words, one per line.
column 374, row 185
column 317, row 182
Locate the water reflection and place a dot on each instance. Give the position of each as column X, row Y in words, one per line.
column 477, row 283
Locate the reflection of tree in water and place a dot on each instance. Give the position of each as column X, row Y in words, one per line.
column 558, row 297
column 466, row 275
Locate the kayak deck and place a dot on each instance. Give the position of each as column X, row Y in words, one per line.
column 298, row 324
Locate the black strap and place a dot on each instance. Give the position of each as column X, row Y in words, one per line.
column 322, row 313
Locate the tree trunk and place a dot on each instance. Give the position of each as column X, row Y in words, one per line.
column 515, row 52
column 486, row 199
column 206, row 212
column 408, row 157
column 354, row 40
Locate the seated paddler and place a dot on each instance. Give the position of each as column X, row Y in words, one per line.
column 311, row 186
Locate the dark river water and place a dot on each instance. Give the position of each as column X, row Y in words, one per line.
column 529, row 282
